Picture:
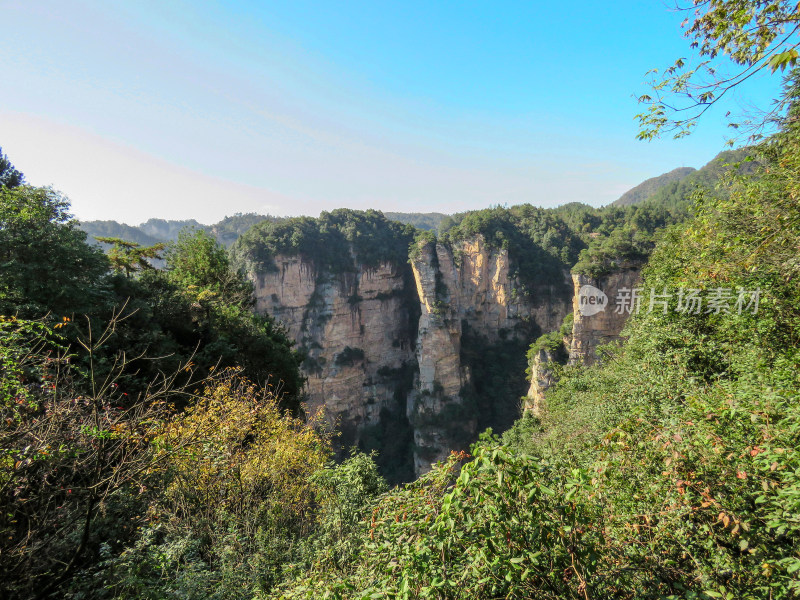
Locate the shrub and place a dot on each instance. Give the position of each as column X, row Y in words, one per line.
column 237, row 501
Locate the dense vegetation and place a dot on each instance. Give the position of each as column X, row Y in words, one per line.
column 327, row 242
column 10, row 177
column 114, row 379
column 198, row 309
column 229, row 229
column 669, row 471
column 544, row 244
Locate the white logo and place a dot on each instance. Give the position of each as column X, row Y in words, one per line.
column 591, row 300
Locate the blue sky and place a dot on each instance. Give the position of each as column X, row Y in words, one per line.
column 203, row 109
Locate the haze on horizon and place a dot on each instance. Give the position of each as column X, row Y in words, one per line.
column 173, row 110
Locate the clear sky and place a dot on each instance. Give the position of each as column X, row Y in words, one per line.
column 187, row 109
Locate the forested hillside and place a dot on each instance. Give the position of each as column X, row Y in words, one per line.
column 650, row 186
column 678, row 186
column 196, row 309
column 123, row 422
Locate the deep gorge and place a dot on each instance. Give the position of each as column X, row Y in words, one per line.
column 413, row 359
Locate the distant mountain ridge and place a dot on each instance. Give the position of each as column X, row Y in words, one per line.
column 226, row 231
column 677, row 186
column 154, row 231
column 426, row 221
column 669, row 189
column 650, row 186
column 96, row 229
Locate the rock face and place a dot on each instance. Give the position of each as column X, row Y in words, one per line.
column 594, row 323
column 358, row 329
column 467, row 296
column 590, row 331
column 394, row 342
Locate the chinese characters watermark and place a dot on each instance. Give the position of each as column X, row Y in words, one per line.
column 720, row 300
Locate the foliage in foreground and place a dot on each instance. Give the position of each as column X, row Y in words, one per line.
column 106, row 496
column 71, row 461
column 236, row 502
column 199, row 309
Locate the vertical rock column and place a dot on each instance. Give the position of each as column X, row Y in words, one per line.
column 435, row 405
column 542, row 379
column 590, row 331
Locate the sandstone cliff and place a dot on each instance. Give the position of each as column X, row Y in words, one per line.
column 358, row 329
column 592, row 330
column 426, row 345
column 473, row 312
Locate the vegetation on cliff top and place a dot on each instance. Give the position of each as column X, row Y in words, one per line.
column 544, row 244
column 226, row 231
column 326, row 241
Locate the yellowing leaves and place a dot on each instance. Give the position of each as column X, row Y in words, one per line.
column 238, row 452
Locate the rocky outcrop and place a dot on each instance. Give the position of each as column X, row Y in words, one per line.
column 593, row 326
column 358, row 330
column 435, row 405
column 601, row 306
column 400, row 342
column 468, row 289
column 542, row 379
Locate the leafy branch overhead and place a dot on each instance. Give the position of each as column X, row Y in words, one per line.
column 735, row 40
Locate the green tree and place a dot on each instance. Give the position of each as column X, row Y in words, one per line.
column 45, row 262
column 345, row 493
column 752, row 34
column 222, row 305
column 130, row 256
column 328, row 242
column 196, row 260
column 9, row 176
